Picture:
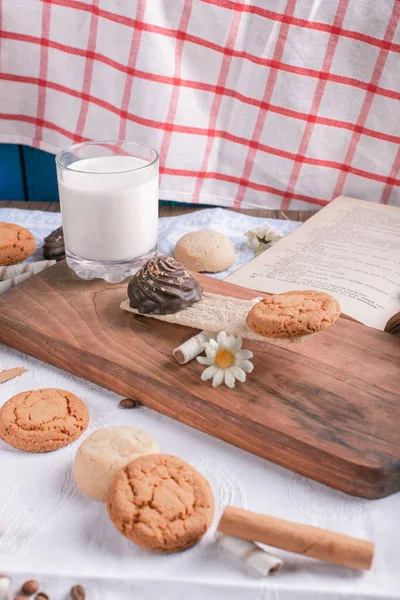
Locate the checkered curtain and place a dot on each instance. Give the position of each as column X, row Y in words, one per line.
column 282, row 104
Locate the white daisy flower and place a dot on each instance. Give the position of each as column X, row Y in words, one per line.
column 225, row 360
column 258, row 237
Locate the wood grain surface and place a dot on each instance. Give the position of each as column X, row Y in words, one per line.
column 328, row 408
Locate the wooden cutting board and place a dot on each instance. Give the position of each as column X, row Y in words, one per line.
column 328, row 408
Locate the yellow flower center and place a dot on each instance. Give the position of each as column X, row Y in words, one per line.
column 224, row 359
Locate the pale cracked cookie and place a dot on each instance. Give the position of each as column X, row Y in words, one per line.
column 293, row 314
column 205, row 251
column 104, row 453
column 16, row 244
column 161, row 503
column 43, row 420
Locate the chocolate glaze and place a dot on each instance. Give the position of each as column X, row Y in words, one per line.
column 53, row 247
column 163, row 286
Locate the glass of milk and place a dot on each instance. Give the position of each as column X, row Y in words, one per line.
column 109, row 204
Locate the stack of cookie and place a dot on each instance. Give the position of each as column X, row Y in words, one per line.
column 53, row 248
column 156, row 500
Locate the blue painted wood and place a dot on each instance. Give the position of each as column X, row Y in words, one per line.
column 11, row 182
column 41, row 177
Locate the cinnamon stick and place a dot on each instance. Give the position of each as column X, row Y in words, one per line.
column 295, row 537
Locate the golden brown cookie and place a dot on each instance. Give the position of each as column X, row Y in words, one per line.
column 16, row 244
column 205, row 251
column 43, row 420
column 293, row 314
column 161, row 503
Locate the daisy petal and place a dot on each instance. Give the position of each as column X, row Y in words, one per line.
column 209, row 372
column 230, row 340
column 222, row 338
column 218, row 378
column 244, row 354
column 205, row 360
column 210, row 347
column 238, row 374
column 211, row 353
column 229, row 378
column 246, row 365
column 237, row 344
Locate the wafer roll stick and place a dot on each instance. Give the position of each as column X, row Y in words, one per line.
column 261, row 561
column 295, row 537
column 191, row 348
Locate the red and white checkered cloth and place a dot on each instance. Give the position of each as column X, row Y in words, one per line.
column 283, row 104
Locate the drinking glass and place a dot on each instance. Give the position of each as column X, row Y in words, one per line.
column 109, row 204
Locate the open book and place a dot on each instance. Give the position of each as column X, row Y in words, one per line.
column 350, row 249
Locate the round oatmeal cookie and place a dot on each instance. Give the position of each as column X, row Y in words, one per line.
column 43, row 420
column 161, row 503
column 16, row 244
column 293, row 314
column 104, row 453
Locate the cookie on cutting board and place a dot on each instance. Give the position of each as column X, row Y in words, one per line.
column 104, row 453
column 161, row 503
column 16, row 244
column 43, row 420
column 293, row 314
column 205, row 251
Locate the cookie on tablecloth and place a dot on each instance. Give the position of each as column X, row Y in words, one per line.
column 43, row 420
column 293, row 314
column 205, row 251
column 104, row 453
column 16, row 244
column 161, row 503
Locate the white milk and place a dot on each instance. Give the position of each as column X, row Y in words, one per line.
column 109, row 212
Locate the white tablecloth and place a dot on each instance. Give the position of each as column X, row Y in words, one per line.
column 57, row 534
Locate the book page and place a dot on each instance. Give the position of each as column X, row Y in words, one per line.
column 350, row 249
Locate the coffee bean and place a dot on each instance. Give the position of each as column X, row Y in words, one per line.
column 30, row 587
column 129, row 403
column 78, row 592
column 41, row 596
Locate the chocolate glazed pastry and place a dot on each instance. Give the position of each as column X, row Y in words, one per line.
column 163, row 286
column 53, row 248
